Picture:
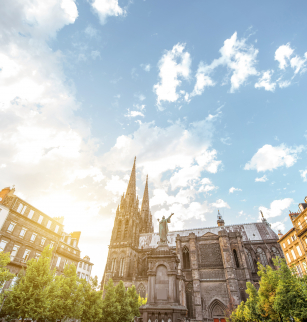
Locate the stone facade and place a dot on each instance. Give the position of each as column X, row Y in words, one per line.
column 25, row 231
column 214, row 263
column 294, row 242
column 84, row 268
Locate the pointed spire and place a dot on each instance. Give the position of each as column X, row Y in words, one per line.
column 145, row 212
column 131, row 189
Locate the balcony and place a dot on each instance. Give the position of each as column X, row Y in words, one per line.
column 301, row 229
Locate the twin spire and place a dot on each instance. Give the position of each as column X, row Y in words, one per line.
column 131, row 191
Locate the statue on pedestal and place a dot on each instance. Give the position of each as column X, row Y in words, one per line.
column 163, row 229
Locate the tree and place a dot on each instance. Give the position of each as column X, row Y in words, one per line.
column 29, row 298
column 251, row 313
column 291, row 293
column 110, row 307
column 134, row 303
column 92, row 310
column 238, row 314
column 68, row 297
column 5, row 274
column 123, row 301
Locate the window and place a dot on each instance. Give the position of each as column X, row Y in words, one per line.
column 293, row 254
column 82, row 276
column 305, row 218
column 23, row 210
column 14, row 251
column 235, row 255
column 85, row 267
column 186, row 257
column 121, row 267
column 14, row 280
column 40, row 219
column 26, row 255
column 43, row 241
column 49, row 224
column 58, row 262
column 113, row 266
column 306, row 240
column 284, row 245
column 288, row 240
column 299, row 270
column 142, row 290
column 80, row 264
column 300, row 225
column 89, row 268
column 37, row 255
column 22, row 232
column 2, row 245
column 56, row 228
column 65, row 262
column 51, row 244
column 262, row 257
column 293, row 237
column 189, row 299
column 250, row 260
column 20, row 207
column 33, row 237
column 119, row 230
column 288, row 258
column 299, row 250
column 78, row 274
column 11, row 227
column 30, row 215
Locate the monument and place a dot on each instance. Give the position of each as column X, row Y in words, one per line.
column 163, row 302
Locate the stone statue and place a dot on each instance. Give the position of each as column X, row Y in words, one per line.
column 163, row 229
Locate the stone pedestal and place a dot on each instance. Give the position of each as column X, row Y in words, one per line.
column 163, row 303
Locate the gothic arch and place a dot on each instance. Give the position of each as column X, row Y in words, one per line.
column 141, row 290
column 262, row 256
column 236, row 258
column 186, row 257
column 154, row 268
column 216, row 306
column 275, row 252
column 250, row 261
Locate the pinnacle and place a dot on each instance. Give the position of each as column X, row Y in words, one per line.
column 145, row 201
column 131, row 189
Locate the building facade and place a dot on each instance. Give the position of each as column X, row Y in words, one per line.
column 25, row 231
column 294, row 242
column 214, row 263
column 84, row 268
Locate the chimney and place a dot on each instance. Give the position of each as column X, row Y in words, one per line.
column 280, row 234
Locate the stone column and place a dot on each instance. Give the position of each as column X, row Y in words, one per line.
column 229, row 267
column 195, row 276
column 244, row 261
column 151, row 288
column 179, row 254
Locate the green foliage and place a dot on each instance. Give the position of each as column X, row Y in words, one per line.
column 282, row 296
column 133, row 299
column 92, row 310
column 29, row 298
column 110, row 306
column 5, row 274
column 142, row 300
column 123, row 301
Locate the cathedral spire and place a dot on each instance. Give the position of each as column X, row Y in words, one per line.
column 131, row 189
column 145, row 202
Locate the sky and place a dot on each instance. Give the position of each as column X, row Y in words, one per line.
column 210, row 96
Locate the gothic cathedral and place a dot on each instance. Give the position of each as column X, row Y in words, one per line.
column 215, row 262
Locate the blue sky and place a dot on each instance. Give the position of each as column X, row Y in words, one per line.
column 209, row 96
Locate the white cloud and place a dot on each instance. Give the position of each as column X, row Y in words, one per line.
column 304, row 174
column 169, row 71
column 233, row 189
column 116, row 185
column 298, row 63
column 202, row 80
column 91, row 31
column 220, row 204
column 238, row 57
column 284, row 84
column 278, row 226
column 146, row 67
column 95, row 54
column 107, row 8
column 161, row 197
column 140, row 97
column 283, row 54
column 206, row 186
column 139, row 107
column 261, row 179
column 276, row 208
column 134, row 114
column 269, row 158
column 265, row 81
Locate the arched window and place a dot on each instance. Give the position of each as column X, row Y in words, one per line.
column 186, row 257
column 275, row 252
column 189, row 299
column 142, row 290
column 121, row 267
column 119, row 230
column 250, row 262
column 113, row 265
column 235, row 255
column 262, row 257
column 126, row 229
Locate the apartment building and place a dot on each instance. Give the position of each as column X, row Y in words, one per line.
column 25, row 231
column 294, row 242
column 84, row 268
